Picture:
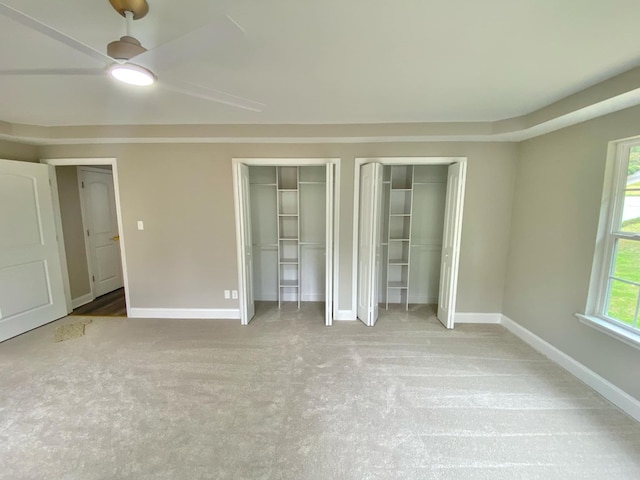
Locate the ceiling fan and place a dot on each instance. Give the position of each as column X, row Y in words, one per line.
column 128, row 61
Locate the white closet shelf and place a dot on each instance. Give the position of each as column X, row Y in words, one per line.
column 398, row 239
column 289, row 283
column 311, row 183
column 397, row 285
column 312, row 244
column 287, row 214
column 399, row 262
column 288, row 261
column 399, row 214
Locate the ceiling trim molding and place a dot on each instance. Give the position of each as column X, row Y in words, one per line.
column 612, row 95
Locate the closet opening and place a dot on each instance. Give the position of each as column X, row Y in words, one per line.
column 408, row 237
column 285, row 226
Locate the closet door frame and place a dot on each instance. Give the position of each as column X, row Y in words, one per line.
column 333, row 228
column 456, row 221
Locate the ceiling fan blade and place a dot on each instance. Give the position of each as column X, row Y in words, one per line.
column 213, row 95
column 53, row 71
column 218, row 32
column 51, row 32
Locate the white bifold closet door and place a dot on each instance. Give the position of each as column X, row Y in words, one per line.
column 328, row 308
column 369, row 242
column 31, row 286
column 451, row 244
column 243, row 214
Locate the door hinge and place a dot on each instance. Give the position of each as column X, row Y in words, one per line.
column 82, row 183
column 88, row 234
column 93, row 278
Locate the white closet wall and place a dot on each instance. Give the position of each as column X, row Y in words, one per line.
column 288, row 211
column 264, row 232
column 413, row 199
column 427, row 226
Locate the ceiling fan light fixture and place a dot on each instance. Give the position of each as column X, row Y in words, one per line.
column 132, row 74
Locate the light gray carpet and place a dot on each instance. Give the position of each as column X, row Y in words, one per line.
column 287, row 398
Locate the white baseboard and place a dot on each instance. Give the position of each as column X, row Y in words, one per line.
column 206, row 313
column 615, row 395
column 83, row 300
column 493, row 318
column 345, row 315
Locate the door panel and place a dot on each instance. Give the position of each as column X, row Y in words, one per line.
column 31, row 287
column 369, row 242
column 328, row 315
column 100, row 217
column 247, row 305
column 451, row 244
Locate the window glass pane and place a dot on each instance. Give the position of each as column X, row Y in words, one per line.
column 626, row 263
column 623, row 298
column 631, row 212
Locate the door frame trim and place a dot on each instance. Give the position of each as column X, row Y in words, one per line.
column 283, row 162
column 89, row 162
column 359, row 161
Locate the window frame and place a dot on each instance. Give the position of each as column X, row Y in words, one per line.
column 612, row 205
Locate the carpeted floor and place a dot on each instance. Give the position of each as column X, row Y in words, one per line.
column 287, row 398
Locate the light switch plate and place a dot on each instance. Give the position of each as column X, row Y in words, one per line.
column 140, row 225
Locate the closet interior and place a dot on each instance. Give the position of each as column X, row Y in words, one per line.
column 288, row 233
column 412, row 223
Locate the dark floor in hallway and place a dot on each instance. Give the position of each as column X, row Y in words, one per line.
column 111, row 304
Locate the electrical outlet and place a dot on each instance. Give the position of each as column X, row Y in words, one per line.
column 227, row 294
column 234, row 294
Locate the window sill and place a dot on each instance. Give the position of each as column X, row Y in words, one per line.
column 620, row 333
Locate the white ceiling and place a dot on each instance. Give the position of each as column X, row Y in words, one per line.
column 326, row 61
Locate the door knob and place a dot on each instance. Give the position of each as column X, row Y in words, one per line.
column 116, row 238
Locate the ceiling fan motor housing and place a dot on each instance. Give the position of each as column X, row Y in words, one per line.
column 125, row 48
column 139, row 8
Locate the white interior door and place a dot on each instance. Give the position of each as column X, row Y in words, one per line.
column 451, row 244
column 101, row 223
column 247, row 305
column 328, row 314
column 369, row 242
column 31, row 287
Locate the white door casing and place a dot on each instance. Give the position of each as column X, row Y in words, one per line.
column 243, row 230
column 451, row 244
column 31, row 286
column 329, row 246
column 369, row 242
column 100, row 220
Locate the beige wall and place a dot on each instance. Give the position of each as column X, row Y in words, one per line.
column 18, row 151
column 74, row 246
column 555, row 218
column 186, row 256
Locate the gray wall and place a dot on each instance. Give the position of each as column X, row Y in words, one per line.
column 73, row 231
column 555, row 218
column 18, row 151
column 186, row 256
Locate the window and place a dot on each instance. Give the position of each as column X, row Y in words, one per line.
column 616, row 276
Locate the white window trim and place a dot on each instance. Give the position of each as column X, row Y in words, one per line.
column 610, row 212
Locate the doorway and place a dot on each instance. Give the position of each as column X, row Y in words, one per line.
column 88, row 222
column 407, row 234
column 285, row 227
